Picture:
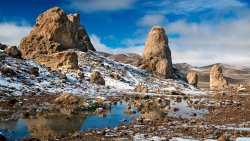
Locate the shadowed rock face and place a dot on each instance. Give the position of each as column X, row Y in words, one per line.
column 217, row 81
column 54, row 32
column 156, row 56
column 13, row 51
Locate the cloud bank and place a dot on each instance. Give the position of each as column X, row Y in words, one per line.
column 11, row 33
column 203, row 43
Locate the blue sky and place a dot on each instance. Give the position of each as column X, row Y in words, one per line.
column 200, row 32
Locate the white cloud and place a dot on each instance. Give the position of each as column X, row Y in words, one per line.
column 186, row 6
column 99, row 46
column 198, row 43
column 151, row 20
column 11, row 33
column 89, row 6
column 204, row 43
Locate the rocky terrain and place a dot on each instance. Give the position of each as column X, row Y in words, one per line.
column 55, row 86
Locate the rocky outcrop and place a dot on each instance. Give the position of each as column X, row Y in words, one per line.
column 13, row 51
column 55, row 32
column 192, row 78
column 63, row 60
column 96, row 77
column 217, row 81
column 156, row 56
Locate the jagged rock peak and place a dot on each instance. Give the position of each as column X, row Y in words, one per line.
column 54, row 32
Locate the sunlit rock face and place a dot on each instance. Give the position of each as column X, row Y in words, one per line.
column 156, row 56
column 192, row 78
column 217, row 81
column 54, row 32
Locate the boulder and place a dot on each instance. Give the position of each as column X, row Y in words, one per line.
column 80, row 75
column 156, row 56
column 217, row 81
column 241, row 88
column 13, row 51
column 55, row 32
column 34, row 71
column 2, row 46
column 67, row 99
column 115, row 76
column 96, row 77
column 192, row 78
column 223, row 138
column 141, row 89
column 7, row 71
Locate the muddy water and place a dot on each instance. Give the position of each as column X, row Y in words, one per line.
column 57, row 124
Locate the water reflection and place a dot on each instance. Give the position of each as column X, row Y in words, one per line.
column 57, row 124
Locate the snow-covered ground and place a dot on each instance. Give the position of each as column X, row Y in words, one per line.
column 50, row 81
column 141, row 137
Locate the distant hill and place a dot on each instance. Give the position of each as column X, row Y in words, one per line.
column 234, row 74
column 128, row 58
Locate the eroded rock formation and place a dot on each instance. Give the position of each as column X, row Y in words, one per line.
column 217, row 81
column 55, row 32
column 192, row 78
column 156, row 56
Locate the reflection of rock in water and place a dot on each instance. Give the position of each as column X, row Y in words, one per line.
column 55, row 125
